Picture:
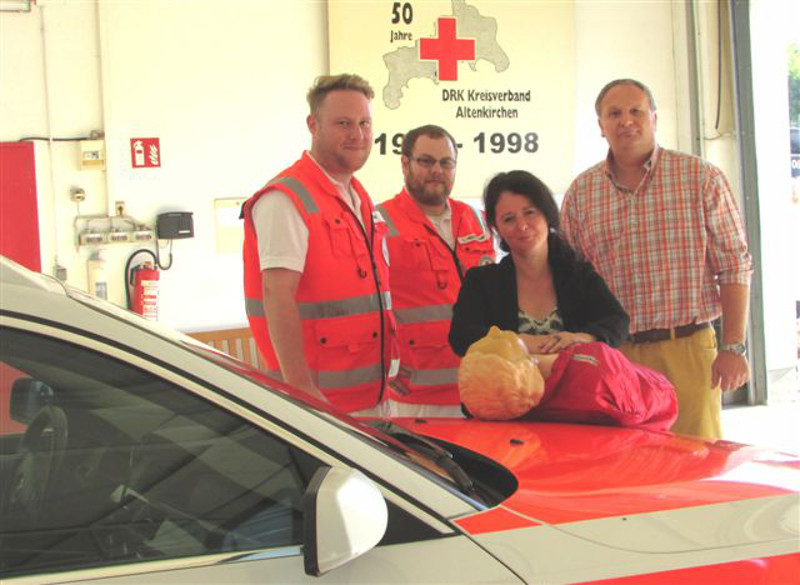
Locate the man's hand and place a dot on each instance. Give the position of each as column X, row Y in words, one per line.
column 730, row 370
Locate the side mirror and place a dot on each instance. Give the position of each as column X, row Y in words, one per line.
column 28, row 397
column 344, row 516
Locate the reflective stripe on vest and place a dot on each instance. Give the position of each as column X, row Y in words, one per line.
column 300, row 190
column 335, row 380
column 329, row 309
column 393, row 231
column 428, row 377
column 424, row 314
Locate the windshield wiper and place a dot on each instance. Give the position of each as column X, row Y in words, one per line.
column 442, row 457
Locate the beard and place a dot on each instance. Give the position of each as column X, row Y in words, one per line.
column 429, row 193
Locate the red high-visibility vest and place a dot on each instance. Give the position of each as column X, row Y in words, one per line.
column 343, row 297
column 425, row 279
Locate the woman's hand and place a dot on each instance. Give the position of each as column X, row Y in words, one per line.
column 534, row 343
column 554, row 342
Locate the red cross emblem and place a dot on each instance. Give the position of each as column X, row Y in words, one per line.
column 447, row 50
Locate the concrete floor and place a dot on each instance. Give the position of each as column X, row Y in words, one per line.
column 776, row 424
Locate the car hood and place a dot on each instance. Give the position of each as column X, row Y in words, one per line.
column 621, row 487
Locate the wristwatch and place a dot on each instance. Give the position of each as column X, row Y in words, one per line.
column 737, row 348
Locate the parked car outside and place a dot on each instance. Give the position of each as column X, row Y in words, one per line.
column 134, row 454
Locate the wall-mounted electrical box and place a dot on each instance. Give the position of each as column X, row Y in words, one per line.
column 93, row 238
column 93, row 155
column 99, row 230
column 175, row 225
column 119, row 236
column 143, row 236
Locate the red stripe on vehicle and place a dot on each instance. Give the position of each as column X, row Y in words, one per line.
column 496, row 519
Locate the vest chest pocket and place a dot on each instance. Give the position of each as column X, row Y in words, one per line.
column 413, row 254
column 346, row 238
column 347, row 241
column 339, row 236
column 346, row 342
column 425, row 345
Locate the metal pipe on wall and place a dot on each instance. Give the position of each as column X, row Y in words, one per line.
column 56, row 268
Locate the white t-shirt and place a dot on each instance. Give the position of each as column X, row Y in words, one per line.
column 280, row 230
column 444, row 225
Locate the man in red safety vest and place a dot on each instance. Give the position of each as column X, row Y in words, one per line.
column 315, row 275
column 432, row 240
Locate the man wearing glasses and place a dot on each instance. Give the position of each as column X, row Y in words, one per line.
column 432, row 242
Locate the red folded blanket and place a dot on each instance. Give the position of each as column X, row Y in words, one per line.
column 594, row 383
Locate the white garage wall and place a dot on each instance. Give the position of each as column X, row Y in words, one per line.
column 640, row 40
column 222, row 85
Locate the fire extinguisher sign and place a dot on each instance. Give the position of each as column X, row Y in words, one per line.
column 145, row 152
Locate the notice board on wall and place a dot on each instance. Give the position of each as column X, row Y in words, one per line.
column 500, row 76
column 19, row 214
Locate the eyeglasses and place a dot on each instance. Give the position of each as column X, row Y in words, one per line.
column 427, row 162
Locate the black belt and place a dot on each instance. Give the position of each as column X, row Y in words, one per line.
column 653, row 335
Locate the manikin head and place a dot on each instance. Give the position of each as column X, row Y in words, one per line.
column 498, row 379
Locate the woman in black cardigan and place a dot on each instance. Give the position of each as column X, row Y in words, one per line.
column 541, row 290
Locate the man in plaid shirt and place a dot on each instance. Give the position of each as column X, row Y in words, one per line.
column 664, row 231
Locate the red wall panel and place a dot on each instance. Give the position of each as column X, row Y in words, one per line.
column 19, row 215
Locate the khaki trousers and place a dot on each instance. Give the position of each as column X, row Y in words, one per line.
column 686, row 362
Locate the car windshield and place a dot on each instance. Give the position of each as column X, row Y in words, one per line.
column 411, row 449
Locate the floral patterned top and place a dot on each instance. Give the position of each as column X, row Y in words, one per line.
column 550, row 324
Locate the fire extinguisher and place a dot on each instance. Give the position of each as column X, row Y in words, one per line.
column 145, row 291
column 143, row 279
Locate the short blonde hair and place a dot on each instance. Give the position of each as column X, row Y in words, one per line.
column 324, row 84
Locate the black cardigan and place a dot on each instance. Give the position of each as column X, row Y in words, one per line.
column 488, row 296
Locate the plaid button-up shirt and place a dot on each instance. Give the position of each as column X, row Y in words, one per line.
column 665, row 247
